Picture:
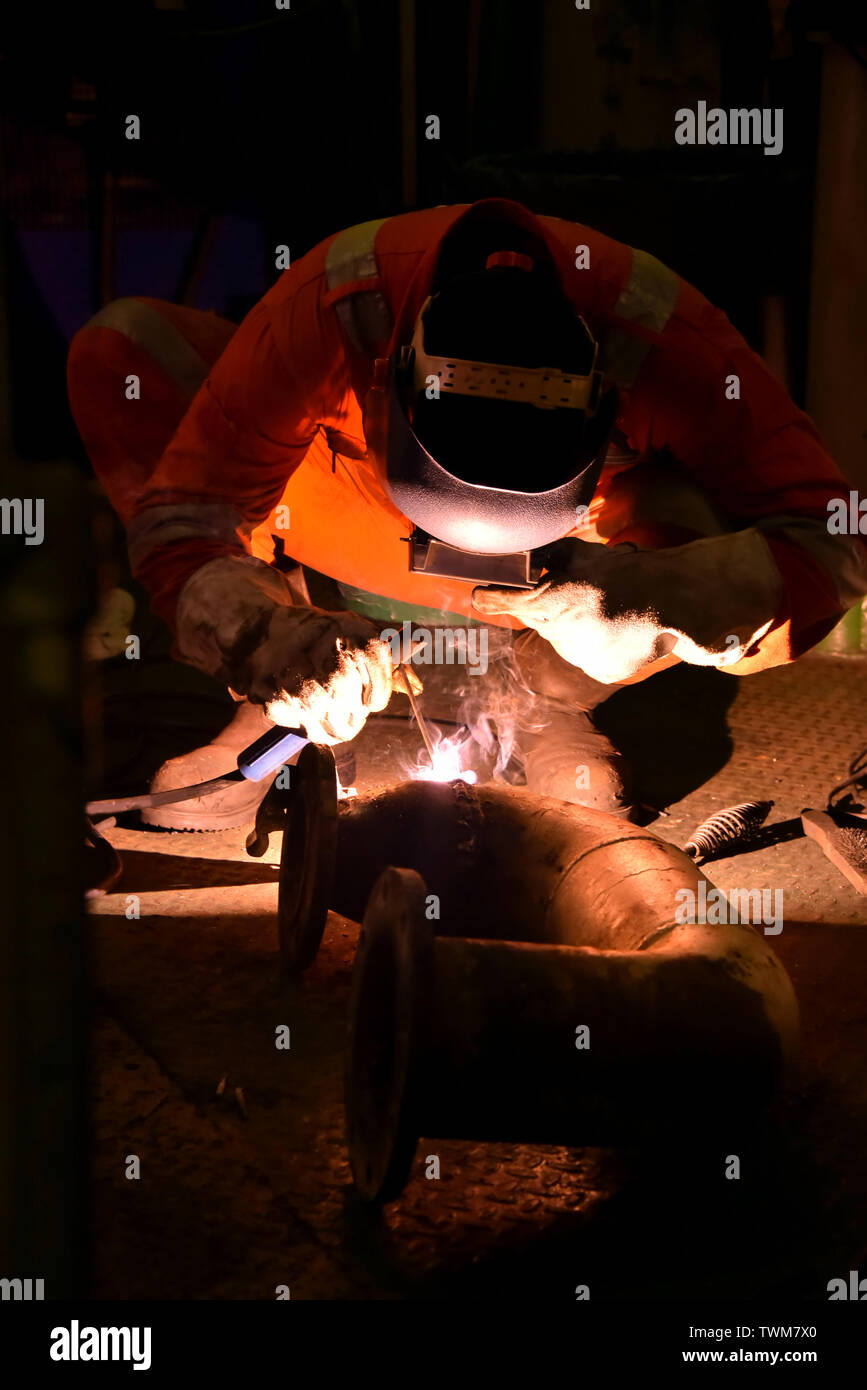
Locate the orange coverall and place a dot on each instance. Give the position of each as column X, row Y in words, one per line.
column 234, row 426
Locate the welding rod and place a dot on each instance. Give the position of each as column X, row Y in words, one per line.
column 420, row 720
column 419, row 717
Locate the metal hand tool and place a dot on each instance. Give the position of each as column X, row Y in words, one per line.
column 255, row 763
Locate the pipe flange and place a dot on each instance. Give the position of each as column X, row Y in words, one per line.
column 308, row 857
column 390, row 1014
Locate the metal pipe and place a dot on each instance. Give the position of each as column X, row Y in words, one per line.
column 501, row 863
column 506, row 1041
column 510, row 922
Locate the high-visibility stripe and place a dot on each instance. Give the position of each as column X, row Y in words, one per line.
column 647, row 300
column 364, row 314
column 193, row 520
column 155, row 335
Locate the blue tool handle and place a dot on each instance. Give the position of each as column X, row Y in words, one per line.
column 269, row 752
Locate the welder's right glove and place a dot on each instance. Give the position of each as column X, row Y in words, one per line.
column 323, row 672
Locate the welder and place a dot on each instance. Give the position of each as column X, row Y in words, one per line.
column 466, row 414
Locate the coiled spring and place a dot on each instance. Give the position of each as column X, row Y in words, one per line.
column 724, row 828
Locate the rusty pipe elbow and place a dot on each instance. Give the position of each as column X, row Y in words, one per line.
column 549, row 917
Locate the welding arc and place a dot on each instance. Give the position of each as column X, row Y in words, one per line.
column 140, row 803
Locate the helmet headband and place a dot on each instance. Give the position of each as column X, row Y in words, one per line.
column 547, row 388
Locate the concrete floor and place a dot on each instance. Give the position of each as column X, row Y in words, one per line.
column 233, row 1201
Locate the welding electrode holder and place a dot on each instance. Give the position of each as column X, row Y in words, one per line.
column 257, row 761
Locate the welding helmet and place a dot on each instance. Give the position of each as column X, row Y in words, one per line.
column 489, row 429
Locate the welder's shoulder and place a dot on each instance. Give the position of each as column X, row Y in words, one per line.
column 405, row 235
column 298, row 307
column 601, row 265
column 701, row 341
column 302, row 277
column 294, row 315
column 697, row 324
column 414, row 233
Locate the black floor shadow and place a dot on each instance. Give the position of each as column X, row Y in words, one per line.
column 144, row 872
column 673, row 1228
column 673, row 729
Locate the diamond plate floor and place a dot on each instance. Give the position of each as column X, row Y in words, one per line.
column 794, row 732
column 234, row 1201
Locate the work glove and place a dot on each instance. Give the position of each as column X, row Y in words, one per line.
column 322, row 672
column 612, row 611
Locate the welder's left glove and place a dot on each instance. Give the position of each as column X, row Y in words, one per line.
column 613, row 611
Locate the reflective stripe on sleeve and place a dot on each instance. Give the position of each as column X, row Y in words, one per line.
column 161, row 526
column 158, row 337
column 364, row 314
column 647, row 300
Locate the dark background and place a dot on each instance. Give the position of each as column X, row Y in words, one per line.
column 261, row 127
